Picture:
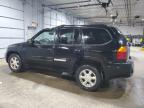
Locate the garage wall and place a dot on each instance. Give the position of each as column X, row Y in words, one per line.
column 54, row 18
column 11, row 23
column 130, row 30
column 16, row 17
column 33, row 12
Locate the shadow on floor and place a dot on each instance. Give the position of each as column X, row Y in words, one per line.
column 114, row 90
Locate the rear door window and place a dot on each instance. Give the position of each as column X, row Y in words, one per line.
column 95, row 36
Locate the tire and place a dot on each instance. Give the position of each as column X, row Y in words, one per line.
column 88, row 78
column 15, row 63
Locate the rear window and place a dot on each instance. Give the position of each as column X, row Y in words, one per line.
column 95, row 36
column 118, row 35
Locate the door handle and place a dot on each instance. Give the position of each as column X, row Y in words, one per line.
column 77, row 51
column 66, row 48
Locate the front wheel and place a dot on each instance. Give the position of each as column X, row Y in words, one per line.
column 88, row 78
column 15, row 63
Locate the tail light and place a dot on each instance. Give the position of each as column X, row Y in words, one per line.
column 122, row 53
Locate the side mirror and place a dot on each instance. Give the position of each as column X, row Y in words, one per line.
column 29, row 41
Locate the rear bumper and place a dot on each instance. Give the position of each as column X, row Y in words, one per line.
column 119, row 70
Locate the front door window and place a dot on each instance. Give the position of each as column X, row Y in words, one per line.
column 45, row 38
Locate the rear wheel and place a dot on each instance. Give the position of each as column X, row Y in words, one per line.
column 88, row 78
column 15, row 63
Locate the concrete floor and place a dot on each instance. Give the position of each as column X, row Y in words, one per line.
column 35, row 90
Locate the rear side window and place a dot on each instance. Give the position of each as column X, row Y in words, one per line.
column 95, row 36
column 118, row 35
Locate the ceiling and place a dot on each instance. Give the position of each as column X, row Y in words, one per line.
column 124, row 12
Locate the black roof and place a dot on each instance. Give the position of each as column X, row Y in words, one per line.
column 80, row 26
column 92, row 25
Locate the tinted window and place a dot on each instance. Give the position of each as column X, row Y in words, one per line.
column 95, row 36
column 118, row 35
column 44, row 38
column 66, row 36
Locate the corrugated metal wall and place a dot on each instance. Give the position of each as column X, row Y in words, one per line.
column 54, row 18
column 11, row 23
column 17, row 15
column 33, row 12
column 15, row 18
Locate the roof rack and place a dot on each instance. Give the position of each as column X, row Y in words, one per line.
column 90, row 25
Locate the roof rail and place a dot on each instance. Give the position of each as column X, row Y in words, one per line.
column 90, row 25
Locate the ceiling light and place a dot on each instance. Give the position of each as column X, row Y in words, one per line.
column 142, row 19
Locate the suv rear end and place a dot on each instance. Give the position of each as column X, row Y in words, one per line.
column 106, row 48
column 122, row 65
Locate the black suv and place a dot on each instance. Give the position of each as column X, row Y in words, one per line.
column 91, row 53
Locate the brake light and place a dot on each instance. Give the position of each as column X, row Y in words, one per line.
column 122, row 53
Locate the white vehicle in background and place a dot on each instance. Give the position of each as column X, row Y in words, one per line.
column 136, row 42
